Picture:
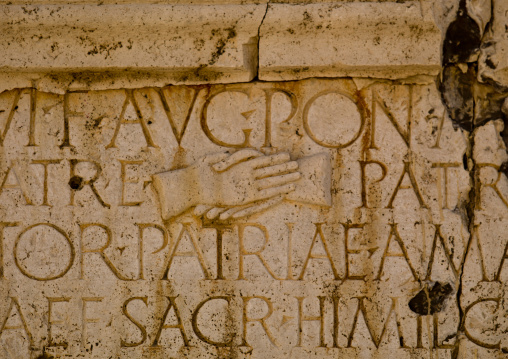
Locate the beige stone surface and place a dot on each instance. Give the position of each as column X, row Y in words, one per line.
column 56, row 45
column 253, row 179
column 493, row 64
column 357, row 39
column 280, row 219
column 152, row 43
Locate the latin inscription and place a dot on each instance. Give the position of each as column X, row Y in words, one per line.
column 247, row 219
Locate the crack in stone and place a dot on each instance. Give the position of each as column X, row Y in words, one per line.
column 256, row 76
column 470, row 105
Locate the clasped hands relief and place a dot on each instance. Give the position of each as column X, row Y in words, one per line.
column 225, row 186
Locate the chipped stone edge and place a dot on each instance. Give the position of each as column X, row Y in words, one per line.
column 81, row 78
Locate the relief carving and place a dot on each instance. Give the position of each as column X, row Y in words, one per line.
column 318, row 217
column 230, row 186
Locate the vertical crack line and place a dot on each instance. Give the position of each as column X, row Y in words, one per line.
column 459, row 93
column 470, row 211
column 259, row 40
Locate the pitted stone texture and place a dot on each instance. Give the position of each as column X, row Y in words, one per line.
column 357, row 39
column 176, row 44
column 485, row 275
column 227, row 220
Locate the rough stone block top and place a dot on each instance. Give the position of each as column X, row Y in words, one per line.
column 253, row 179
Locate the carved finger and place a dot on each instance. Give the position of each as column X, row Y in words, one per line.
column 201, row 209
column 227, row 214
column 277, row 181
column 215, row 157
column 276, row 170
column 271, row 160
column 214, row 212
column 257, row 207
column 236, row 158
column 277, row 191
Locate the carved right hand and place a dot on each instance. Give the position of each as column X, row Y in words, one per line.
column 245, row 177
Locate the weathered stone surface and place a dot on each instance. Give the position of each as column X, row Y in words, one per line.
column 358, row 216
column 358, row 39
column 82, row 44
column 238, row 205
column 493, row 64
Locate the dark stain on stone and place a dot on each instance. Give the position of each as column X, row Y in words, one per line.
column 504, row 168
column 462, row 38
column 457, row 93
column 469, row 102
column 94, row 124
column 460, row 51
column 221, row 44
column 45, row 356
column 430, row 300
column 76, row 183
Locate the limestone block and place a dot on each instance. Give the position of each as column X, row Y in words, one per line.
column 321, row 218
column 358, row 39
column 155, row 43
column 164, row 194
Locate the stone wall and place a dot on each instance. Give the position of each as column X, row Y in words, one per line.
column 246, row 179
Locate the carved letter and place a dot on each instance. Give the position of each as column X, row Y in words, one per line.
column 197, row 253
column 141, row 328
column 67, row 115
column 348, row 251
column 77, row 183
column 85, row 319
column 445, row 167
column 198, row 332
column 262, row 320
column 178, row 325
column 448, row 254
column 414, row 185
column 45, row 164
column 268, row 114
column 14, row 303
column 165, row 105
column 244, row 252
column 129, row 97
column 51, row 343
column 481, row 186
column 478, row 341
column 125, row 180
column 220, row 232
column 363, row 165
column 15, row 101
column 376, row 340
column 307, row 318
column 2, row 226
column 308, row 128
column 165, row 241
column 394, row 233
column 99, row 251
column 319, row 232
column 55, row 229
column 208, row 132
column 33, row 107
column 406, row 135
column 17, row 185
column 501, row 265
